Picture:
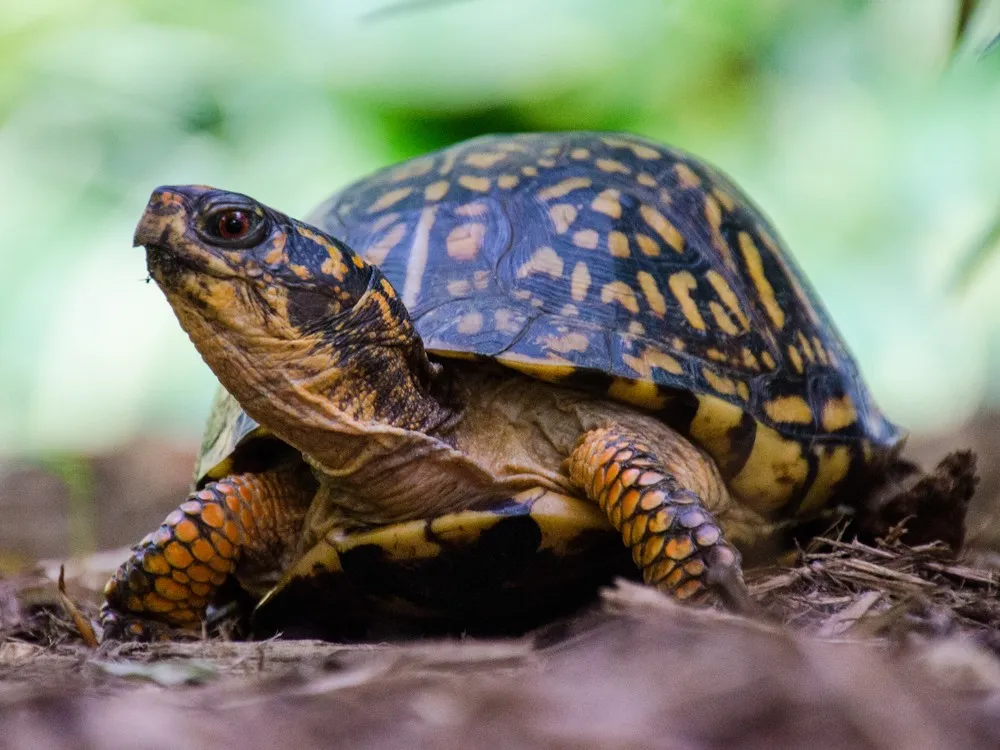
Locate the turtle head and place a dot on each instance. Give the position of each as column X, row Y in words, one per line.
column 249, row 266
column 293, row 323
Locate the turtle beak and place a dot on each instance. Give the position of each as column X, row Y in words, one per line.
column 153, row 227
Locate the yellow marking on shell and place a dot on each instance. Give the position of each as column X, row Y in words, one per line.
column 795, row 358
column 471, row 322
column 647, row 244
column 586, row 238
column 521, row 294
column 767, row 359
column 476, row 208
column 529, row 171
column 713, row 215
column 465, row 241
column 686, row 177
column 618, row 244
column 773, row 471
column 620, row 292
column 749, row 360
column 564, row 187
column 834, row 461
column 742, row 389
column 659, row 223
column 481, row 279
column 713, row 423
column 448, row 161
column 484, row 160
column 562, row 216
column 358, row 261
column 651, row 358
column 459, row 287
column 722, row 318
column 546, row 162
column 565, row 343
column 755, row 267
column 378, row 250
column 652, row 293
column 792, row 277
column 644, row 393
column 681, row 285
column 436, row 190
column 508, row 181
column 724, row 198
column 506, row 321
column 608, row 204
column 664, row 197
column 789, row 409
column 636, row 328
column 511, row 146
column 569, row 310
column 414, row 168
column 417, row 261
column 806, row 347
column 820, row 351
column 552, row 369
column 579, row 281
column 644, row 178
column 719, row 383
column 640, row 150
column 678, row 344
column 390, row 198
column 613, row 166
column 716, row 355
column 728, row 297
column 579, row 153
column 838, row 413
column 543, row 260
column 477, row 184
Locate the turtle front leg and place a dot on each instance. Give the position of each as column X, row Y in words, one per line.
column 658, row 504
column 244, row 521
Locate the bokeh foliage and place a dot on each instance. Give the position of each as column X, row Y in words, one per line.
column 872, row 144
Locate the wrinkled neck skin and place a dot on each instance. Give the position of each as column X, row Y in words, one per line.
column 365, row 407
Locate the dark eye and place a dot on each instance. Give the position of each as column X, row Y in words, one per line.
column 233, row 225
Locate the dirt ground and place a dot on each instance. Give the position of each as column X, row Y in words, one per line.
column 880, row 645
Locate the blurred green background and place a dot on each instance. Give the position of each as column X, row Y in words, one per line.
column 872, row 143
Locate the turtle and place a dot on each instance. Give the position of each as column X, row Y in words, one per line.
column 475, row 385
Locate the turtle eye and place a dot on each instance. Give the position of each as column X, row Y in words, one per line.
column 233, row 227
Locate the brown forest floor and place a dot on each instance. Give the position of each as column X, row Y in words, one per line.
column 867, row 646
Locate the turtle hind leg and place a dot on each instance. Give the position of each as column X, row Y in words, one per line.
column 657, row 503
column 243, row 522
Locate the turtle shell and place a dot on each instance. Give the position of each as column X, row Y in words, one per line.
column 614, row 264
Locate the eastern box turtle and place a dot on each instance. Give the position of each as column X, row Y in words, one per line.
column 475, row 374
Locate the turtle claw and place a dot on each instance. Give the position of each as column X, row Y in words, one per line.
column 121, row 626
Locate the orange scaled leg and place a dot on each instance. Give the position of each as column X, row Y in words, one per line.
column 171, row 575
column 656, row 506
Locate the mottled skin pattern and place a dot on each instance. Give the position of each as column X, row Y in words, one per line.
column 646, row 298
column 173, row 572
